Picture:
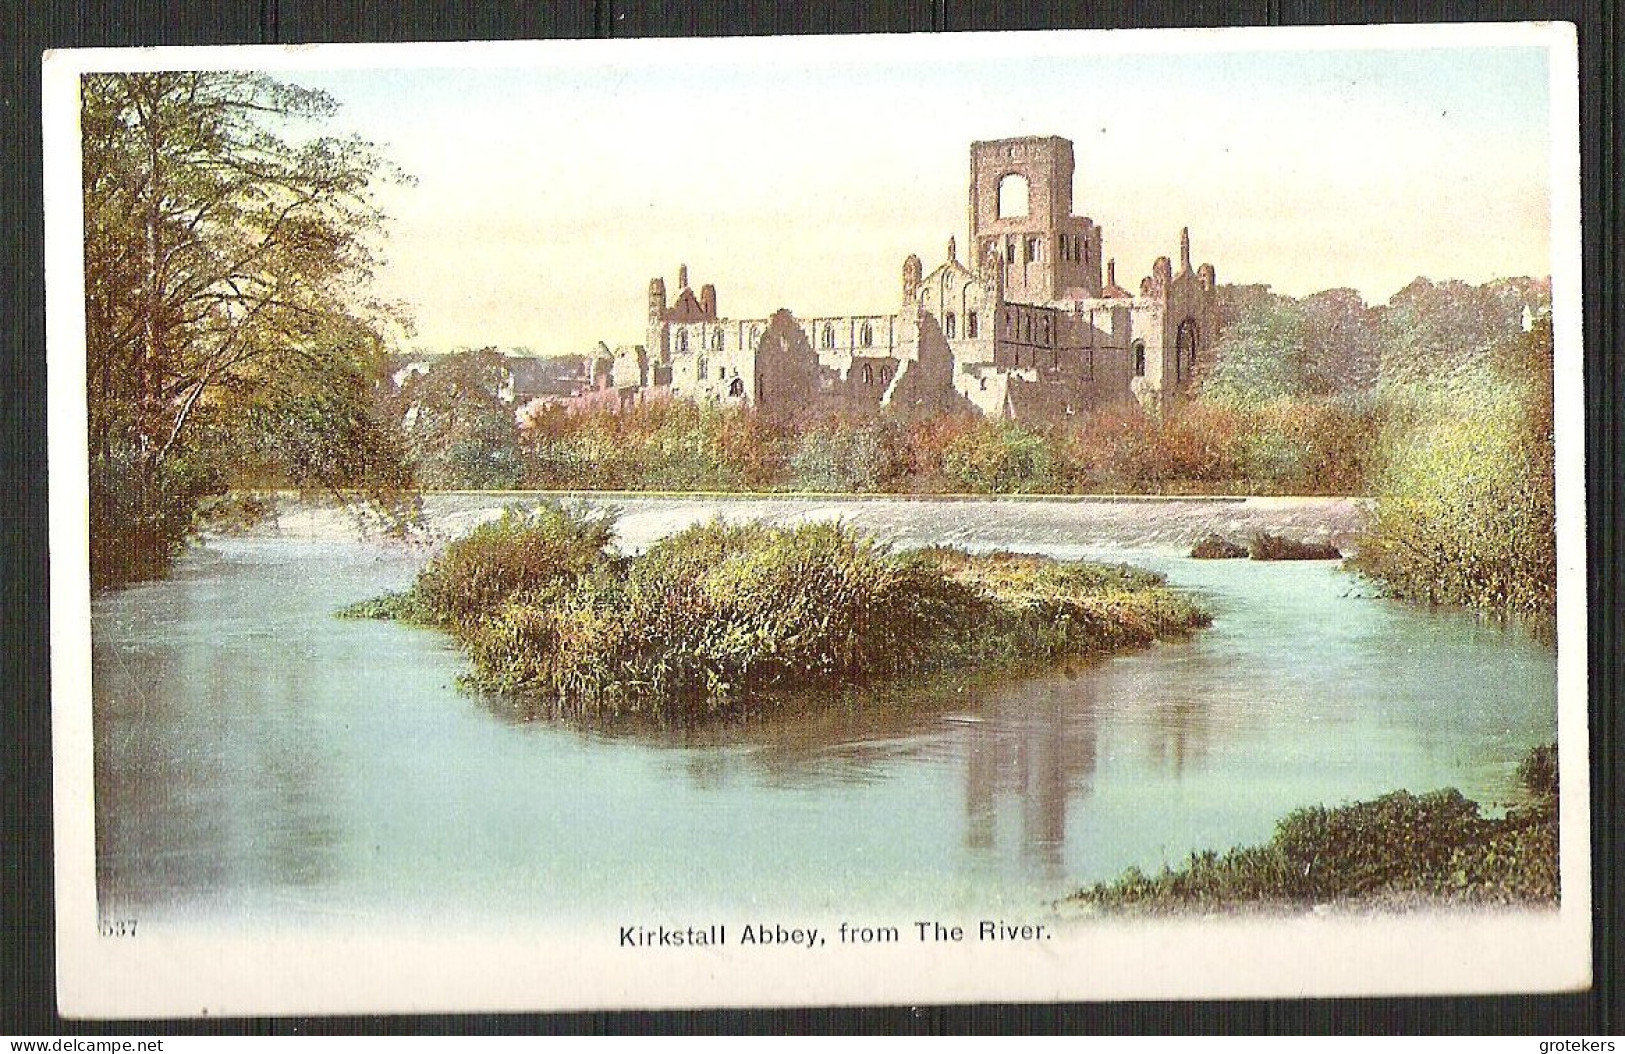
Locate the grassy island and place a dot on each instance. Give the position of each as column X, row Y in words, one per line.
column 722, row 615
column 1398, row 851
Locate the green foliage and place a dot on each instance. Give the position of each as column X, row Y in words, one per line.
column 851, row 456
column 459, row 431
column 1398, row 848
column 1000, row 457
column 1433, row 330
column 1538, row 771
column 1261, row 356
column 526, row 556
column 719, row 616
column 1466, row 510
column 226, row 326
column 141, row 514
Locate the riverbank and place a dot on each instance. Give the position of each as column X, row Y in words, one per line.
column 722, row 618
column 1397, row 852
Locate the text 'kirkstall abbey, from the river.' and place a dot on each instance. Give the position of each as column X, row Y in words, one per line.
column 1032, row 325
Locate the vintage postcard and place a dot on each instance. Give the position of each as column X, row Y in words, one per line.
column 839, row 520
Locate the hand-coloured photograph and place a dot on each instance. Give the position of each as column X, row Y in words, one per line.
column 837, row 520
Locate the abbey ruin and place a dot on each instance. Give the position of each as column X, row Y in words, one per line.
column 1031, row 326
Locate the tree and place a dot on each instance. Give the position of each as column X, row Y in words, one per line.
column 1263, row 353
column 227, row 253
column 460, row 431
column 1341, row 342
column 1466, row 499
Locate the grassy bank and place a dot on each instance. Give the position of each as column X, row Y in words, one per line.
column 719, row 616
column 1398, row 850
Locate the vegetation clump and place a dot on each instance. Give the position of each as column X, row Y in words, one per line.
column 1466, row 496
column 1217, row 547
column 721, row 615
column 1400, row 849
column 1275, row 547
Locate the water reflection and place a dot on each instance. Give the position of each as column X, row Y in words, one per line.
column 253, row 754
column 1038, row 744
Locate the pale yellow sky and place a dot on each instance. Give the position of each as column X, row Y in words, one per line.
column 799, row 173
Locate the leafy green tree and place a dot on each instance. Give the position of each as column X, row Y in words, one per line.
column 1466, row 499
column 227, row 248
column 1262, row 354
column 460, row 431
column 1432, row 329
column 1340, row 342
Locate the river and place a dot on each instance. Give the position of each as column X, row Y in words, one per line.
column 257, row 758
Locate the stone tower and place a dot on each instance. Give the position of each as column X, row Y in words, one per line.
column 1021, row 210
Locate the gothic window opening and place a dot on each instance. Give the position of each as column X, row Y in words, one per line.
column 1139, row 358
column 716, row 341
column 827, row 340
column 1185, row 349
column 1032, row 250
column 868, row 335
column 868, row 374
column 885, row 375
column 702, row 369
column 1009, row 250
column 949, row 326
column 970, row 323
column 737, row 388
column 755, row 335
column 1013, row 196
column 682, row 340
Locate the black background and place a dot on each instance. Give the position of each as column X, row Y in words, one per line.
column 27, row 945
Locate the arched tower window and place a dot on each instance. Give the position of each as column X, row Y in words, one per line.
column 970, row 323
column 827, row 338
column 948, row 326
column 682, row 340
column 737, row 388
column 702, row 369
column 1013, row 193
column 716, row 341
column 868, row 335
column 1185, row 349
column 868, row 374
column 1139, row 358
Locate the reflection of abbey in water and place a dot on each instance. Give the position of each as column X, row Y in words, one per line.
column 1027, row 328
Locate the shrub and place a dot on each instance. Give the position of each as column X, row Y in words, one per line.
column 141, row 519
column 523, row 556
column 1000, row 458
column 841, row 455
column 1538, row 771
column 1466, row 500
column 1397, row 848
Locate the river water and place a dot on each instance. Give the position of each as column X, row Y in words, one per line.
column 257, row 758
